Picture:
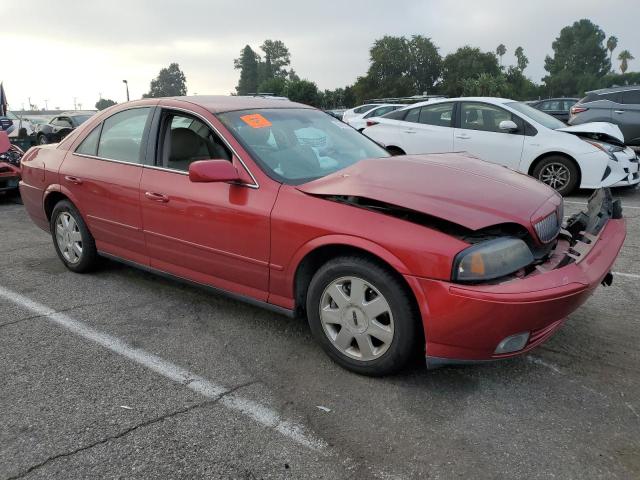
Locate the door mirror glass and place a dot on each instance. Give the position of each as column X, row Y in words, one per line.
column 508, row 126
column 204, row 171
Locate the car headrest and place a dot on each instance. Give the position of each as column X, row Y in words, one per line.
column 185, row 143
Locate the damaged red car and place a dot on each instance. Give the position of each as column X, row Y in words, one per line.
column 281, row 205
column 10, row 156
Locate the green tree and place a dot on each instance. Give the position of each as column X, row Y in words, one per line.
column 401, row 66
column 104, row 103
column 247, row 63
column 275, row 86
column 500, row 51
column 612, row 44
column 578, row 51
column 303, row 91
column 170, row 82
column 624, row 57
column 522, row 59
column 466, row 63
column 276, row 58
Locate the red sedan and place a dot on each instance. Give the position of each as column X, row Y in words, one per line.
column 284, row 206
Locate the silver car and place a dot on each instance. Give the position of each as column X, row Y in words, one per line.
column 619, row 105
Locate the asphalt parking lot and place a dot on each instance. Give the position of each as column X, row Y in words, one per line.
column 122, row 374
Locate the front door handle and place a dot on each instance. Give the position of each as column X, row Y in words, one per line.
column 409, row 131
column 156, row 197
column 618, row 111
column 74, row 180
column 463, row 137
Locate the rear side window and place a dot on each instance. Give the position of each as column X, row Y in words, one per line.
column 89, row 145
column 612, row 97
column 122, row 135
column 413, row 115
column 631, row 97
column 397, row 115
column 440, row 114
column 483, row 117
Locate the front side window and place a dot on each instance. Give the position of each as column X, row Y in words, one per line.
column 482, row 116
column 439, row 114
column 297, row 145
column 536, row 115
column 187, row 139
column 122, row 135
column 89, row 145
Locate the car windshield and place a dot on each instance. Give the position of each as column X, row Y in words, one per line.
column 536, row 115
column 295, row 146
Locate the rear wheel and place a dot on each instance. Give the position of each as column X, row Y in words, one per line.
column 72, row 240
column 559, row 173
column 362, row 316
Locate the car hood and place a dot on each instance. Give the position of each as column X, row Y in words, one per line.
column 454, row 187
column 606, row 131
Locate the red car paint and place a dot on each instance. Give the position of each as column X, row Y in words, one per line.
column 248, row 237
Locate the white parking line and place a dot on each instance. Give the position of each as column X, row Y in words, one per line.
column 260, row 413
column 585, row 203
column 628, row 275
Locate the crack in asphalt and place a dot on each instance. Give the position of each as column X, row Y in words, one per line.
column 129, row 430
column 75, row 307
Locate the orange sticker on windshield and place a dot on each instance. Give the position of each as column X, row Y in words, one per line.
column 255, row 120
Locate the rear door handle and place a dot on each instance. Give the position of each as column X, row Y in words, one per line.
column 618, row 111
column 463, row 137
column 156, row 197
column 409, row 131
column 74, row 180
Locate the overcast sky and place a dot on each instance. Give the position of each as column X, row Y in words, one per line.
column 56, row 50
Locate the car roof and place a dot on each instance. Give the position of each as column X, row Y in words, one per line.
column 493, row 100
column 230, row 103
column 623, row 88
column 75, row 113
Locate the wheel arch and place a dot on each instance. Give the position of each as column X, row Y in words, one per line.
column 545, row 155
column 53, row 195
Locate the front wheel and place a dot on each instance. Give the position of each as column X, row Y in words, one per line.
column 559, row 173
column 362, row 316
column 72, row 240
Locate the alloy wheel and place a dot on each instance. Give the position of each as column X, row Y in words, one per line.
column 556, row 175
column 68, row 237
column 356, row 318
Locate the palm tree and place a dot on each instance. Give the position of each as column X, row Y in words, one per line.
column 612, row 43
column 500, row 51
column 624, row 58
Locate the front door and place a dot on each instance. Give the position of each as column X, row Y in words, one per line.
column 103, row 173
column 211, row 233
column 480, row 135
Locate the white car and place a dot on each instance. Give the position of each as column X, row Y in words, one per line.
column 515, row 135
column 354, row 112
column 359, row 121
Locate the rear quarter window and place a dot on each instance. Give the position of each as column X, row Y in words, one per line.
column 631, row 97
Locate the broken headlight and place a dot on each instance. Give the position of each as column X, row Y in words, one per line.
column 491, row 259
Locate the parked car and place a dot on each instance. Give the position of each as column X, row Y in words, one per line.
column 386, row 257
column 359, row 121
column 60, row 126
column 10, row 156
column 556, row 107
column 619, row 105
column 352, row 112
column 515, row 135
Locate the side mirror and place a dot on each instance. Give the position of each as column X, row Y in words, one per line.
column 508, row 126
column 204, row 171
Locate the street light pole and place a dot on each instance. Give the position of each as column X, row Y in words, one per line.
column 127, row 85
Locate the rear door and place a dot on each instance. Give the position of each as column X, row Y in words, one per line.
column 628, row 115
column 212, row 233
column 103, row 174
column 478, row 133
column 428, row 129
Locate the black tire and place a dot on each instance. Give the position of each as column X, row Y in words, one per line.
column 88, row 260
column 42, row 139
column 407, row 334
column 395, row 151
column 574, row 174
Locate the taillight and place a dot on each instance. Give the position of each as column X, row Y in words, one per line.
column 575, row 110
column 371, row 123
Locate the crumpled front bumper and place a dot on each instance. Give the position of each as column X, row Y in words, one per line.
column 9, row 176
column 465, row 323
